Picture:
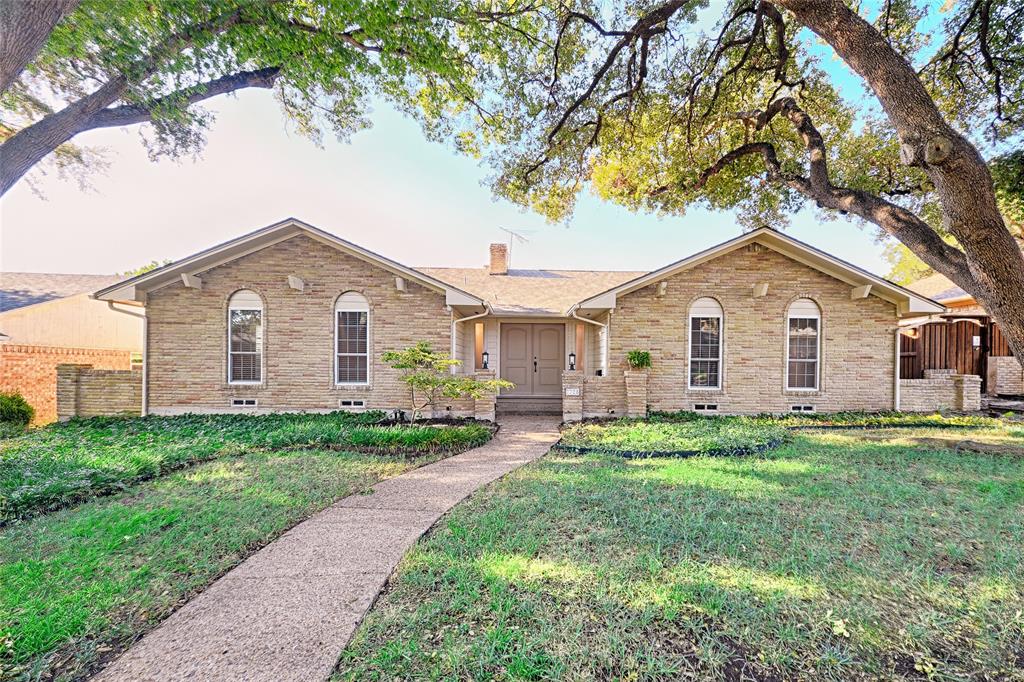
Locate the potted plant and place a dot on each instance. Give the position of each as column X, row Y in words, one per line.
column 638, row 359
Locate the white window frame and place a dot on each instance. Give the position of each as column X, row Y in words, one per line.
column 720, row 316
column 803, row 315
column 246, row 307
column 348, row 303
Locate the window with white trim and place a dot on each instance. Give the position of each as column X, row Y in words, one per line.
column 245, row 338
column 803, row 345
column 351, row 339
column 705, row 366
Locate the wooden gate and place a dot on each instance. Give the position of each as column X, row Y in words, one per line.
column 959, row 346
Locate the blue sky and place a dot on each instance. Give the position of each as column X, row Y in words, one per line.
column 388, row 189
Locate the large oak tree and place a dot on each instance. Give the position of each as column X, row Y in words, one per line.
column 638, row 100
column 653, row 109
column 70, row 66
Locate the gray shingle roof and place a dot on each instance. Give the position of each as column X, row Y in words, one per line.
column 532, row 292
column 19, row 289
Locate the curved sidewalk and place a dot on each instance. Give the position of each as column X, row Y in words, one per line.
column 286, row 612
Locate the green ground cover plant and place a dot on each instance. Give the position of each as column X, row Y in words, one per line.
column 63, row 464
column 833, row 557
column 80, row 584
column 699, row 435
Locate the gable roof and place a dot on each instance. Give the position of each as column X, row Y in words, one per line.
column 532, row 292
column 20, row 289
column 907, row 301
column 135, row 288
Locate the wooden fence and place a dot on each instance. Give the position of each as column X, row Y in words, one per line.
column 962, row 346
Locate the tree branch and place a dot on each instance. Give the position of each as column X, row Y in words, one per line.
column 138, row 113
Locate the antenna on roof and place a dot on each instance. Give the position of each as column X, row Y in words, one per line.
column 515, row 236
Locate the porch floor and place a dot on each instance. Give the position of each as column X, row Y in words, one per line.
column 528, row 404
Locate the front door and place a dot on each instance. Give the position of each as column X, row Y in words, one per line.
column 532, row 358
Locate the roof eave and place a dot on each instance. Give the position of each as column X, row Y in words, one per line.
column 905, row 299
column 135, row 288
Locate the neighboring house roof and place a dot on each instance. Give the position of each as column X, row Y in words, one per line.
column 532, row 292
column 907, row 301
column 19, row 289
column 135, row 288
column 940, row 288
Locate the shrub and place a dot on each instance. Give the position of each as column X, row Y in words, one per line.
column 14, row 409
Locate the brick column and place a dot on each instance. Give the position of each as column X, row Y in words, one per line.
column 67, row 390
column 572, row 395
column 968, row 392
column 636, row 393
column 483, row 408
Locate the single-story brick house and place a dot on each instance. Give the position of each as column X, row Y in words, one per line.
column 290, row 317
column 49, row 319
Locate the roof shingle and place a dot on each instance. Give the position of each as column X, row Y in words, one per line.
column 19, row 289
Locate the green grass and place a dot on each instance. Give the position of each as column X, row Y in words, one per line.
column 705, row 435
column 63, row 464
column 79, row 584
column 834, row 557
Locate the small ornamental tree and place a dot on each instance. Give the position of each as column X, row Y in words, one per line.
column 428, row 375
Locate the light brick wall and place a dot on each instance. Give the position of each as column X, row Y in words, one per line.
column 1005, row 376
column 188, row 335
column 32, row 371
column 85, row 391
column 941, row 389
column 857, row 349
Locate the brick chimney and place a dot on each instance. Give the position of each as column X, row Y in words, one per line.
column 499, row 259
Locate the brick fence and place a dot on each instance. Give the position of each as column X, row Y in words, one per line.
column 85, row 391
column 32, row 371
column 941, row 389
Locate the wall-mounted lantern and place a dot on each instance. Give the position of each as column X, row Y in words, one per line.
column 572, row 360
column 485, row 358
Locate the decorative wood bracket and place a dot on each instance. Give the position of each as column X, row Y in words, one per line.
column 191, row 281
column 860, row 292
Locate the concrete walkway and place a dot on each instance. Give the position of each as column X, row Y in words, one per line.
column 287, row 612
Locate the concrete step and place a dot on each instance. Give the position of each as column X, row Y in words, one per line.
column 529, row 405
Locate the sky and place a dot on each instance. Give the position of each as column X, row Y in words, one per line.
column 387, row 189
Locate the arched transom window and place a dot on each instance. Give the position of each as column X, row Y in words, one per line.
column 351, row 339
column 803, row 345
column 705, row 344
column 245, row 338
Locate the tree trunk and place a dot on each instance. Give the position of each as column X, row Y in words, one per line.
column 29, row 146
column 24, row 27
column 961, row 177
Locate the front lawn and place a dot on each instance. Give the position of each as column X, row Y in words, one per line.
column 700, row 435
column 158, row 523
column 840, row 555
column 63, row 464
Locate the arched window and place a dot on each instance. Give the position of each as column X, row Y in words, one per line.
column 351, row 339
column 803, row 345
column 245, row 338
column 705, row 344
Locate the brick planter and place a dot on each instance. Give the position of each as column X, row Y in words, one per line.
column 636, row 393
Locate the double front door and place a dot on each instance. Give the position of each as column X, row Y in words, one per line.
column 532, row 358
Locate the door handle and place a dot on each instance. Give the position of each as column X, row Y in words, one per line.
column 535, row 365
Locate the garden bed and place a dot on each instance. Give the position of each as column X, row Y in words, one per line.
column 703, row 436
column 62, row 464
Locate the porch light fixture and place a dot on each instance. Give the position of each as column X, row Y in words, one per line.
column 572, row 360
column 485, row 358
